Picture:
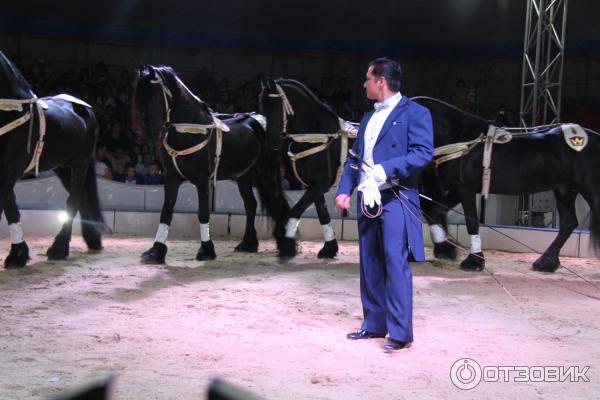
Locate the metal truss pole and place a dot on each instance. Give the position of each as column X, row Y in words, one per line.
column 541, row 85
column 543, row 60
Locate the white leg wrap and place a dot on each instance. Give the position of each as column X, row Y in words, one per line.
column 291, row 227
column 438, row 234
column 204, row 232
column 162, row 233
column 16, row 233
column 475, row 243
column 328, row 232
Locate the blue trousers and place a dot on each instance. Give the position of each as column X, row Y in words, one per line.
column 385, row 275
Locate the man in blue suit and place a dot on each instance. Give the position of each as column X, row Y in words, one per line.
column 395, row 142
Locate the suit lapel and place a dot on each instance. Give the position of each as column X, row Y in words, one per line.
column 362, row 129
column 392, row 117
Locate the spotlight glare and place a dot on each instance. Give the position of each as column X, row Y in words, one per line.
column 63, row 217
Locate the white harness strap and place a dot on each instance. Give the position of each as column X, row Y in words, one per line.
column 486, row 176
column 345, row 131
column 17, row 105
column 202, row 129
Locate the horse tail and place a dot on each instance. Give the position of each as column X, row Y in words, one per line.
column 92, row 220
column 595, row 222
column 269, row 183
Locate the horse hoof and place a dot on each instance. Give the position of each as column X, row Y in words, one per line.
column 156, row 254
column 444, row 250
column 546, row 264
column 329, row 250
column 18, row 256
column 473, row 263
column 287, row 248
column 58, row 251
column 206, row 251
column 247, row 247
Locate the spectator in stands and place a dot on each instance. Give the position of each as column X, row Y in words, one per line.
column 116, row 139
column 154, row 176
column 103, row 163
column 131, row 178
column 142, row 168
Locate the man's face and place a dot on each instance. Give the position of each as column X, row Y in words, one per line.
column 373, row 85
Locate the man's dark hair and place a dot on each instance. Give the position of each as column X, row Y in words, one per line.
column 390, row 70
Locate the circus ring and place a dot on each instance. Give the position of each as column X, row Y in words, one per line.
column 279, row 329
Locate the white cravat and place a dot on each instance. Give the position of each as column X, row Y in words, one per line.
column 382, row 112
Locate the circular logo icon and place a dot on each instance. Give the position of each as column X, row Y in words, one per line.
column 465, row 373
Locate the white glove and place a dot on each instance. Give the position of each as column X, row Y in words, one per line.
column 370, row 191
column 378, row 173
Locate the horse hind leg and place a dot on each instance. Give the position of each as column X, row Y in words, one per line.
column 19, row 251
column 249, row 243
column 330, row 248
column 565, row 203
column 475, row 261
column 73, row 180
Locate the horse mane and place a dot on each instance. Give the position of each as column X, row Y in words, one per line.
column 453, row 107
column 300, row 86
column 19, row 86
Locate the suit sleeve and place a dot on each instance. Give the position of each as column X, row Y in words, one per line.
column 420, row 145
column 350, row 176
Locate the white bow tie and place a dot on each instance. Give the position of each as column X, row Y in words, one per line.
column 381, row 105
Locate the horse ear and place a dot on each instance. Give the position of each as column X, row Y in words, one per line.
column 268, row 83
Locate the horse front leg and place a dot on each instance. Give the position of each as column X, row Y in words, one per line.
column 287, row 248
column 207, row 248
column 158, row 252
column 436, row 217
column 330, row 248
column 19, row 251
column 475, row 261
column 249, row 243
column 565, row 204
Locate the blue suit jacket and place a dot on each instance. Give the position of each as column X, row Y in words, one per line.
column 403, row 148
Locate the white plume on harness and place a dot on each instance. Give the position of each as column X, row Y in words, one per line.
column 346, row 130
column 204, row 129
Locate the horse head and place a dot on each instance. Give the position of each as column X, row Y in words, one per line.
column 291, row 107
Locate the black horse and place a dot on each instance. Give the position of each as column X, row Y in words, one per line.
column 314, row 144
column 196, row 146
column 529, row 163
column 56, row 133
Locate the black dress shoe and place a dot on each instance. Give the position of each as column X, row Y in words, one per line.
column 362, row 334
column 393, row 345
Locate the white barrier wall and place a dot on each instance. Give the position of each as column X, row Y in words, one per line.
column 135, row 210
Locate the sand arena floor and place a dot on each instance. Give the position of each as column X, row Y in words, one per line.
column 279, row 330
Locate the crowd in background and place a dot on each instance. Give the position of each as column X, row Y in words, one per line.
column 125, row 156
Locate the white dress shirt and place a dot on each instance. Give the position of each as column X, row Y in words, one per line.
column 382, row 112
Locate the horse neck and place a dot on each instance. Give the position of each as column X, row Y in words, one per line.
column 310, row 116
column 14, row 84
column 186, row 108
